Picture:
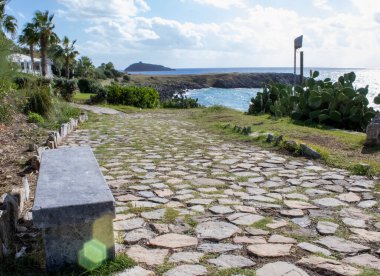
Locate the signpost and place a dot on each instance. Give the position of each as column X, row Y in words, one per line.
column 297, row 45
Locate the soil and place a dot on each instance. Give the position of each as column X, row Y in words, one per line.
column 14, row 154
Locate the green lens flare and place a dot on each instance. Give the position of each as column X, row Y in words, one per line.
column 92, row 254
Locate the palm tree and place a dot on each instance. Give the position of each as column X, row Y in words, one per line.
column 44, row 27
column 8, row 22
column 85, row 67
column 29, row 37
column 67, row 52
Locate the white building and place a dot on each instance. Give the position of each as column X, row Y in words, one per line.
column 25, row 64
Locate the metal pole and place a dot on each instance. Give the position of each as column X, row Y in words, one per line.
column 295, row 65
column 301, row 67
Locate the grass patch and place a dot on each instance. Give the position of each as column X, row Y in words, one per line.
column 60, row 113
column 82, row 97
column 160, row 270
column 339, row 148
column 319, row 254
column 235, row 271
column 190, row 221
column 262, row 224
column 369, row 272
column 242, row 179
column 120, row 263
column 34, row 265
column 123, row 108
column 170, row 215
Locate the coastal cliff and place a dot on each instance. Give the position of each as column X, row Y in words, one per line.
column 169, row 85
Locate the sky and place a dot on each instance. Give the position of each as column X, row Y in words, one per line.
column 216, row 33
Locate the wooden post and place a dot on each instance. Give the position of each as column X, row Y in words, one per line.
column 301, row 67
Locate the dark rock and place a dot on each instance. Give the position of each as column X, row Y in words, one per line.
column 270, row 138
column 291, row 145
column 279, row 139
column 309, row 152
column 373, row 132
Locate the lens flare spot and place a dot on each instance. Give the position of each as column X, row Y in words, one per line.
column 93, row 254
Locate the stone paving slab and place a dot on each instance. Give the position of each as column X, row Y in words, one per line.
column 191, row 203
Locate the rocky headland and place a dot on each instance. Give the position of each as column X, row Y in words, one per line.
column 143, row 67
column 169, row 85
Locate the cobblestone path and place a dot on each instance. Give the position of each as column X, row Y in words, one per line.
column 189, row 203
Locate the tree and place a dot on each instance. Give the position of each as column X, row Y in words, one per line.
column 8, row 22
column 29, row 38
column 65, row 53
column 44, row 27
column 85, row 67
column 68, row 52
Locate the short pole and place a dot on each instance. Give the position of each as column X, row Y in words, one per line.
column 301, row 67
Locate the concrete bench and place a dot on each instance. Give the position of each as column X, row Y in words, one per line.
column 74, row 207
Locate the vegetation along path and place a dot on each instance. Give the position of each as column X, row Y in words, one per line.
column 191, row 203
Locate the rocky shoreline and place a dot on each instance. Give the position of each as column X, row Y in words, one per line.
column 170, row 85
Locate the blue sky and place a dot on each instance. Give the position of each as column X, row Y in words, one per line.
column 216, row 33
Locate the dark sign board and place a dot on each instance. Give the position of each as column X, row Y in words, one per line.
column 298, row 42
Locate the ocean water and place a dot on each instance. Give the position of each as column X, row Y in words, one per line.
column 240, row 98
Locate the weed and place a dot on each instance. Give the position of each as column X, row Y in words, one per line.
column 262, row 224
column 170, row 215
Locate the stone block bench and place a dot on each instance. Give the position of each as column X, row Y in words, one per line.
column 74, row 208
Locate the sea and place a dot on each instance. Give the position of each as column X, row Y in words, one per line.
column 240, row 98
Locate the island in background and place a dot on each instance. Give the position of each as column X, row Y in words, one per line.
column 144, row 67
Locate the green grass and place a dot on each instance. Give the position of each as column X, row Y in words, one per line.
column 60, row 113
column 124, row 108
column 338, row 148
column 369, row 272
column 120, row 263
column 82, row 97
column 170, row 215
column 262, row 224
column 235, row 271
column 33, row 265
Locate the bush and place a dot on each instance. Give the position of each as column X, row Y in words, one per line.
column 143, row 97
column 126, row 78
column 337, row 104
column 22, row 81
column 39, row 100
column 35, row 118
column 100, row 97
column 181, row 102
column 66, row 88
column 88, row 86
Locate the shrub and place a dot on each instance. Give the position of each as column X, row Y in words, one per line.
column 66, row 88
column 22, row 81
column 39, row 100
column 5, row 114
column 181, row 102
column 100, row 97
column 35, row 118
column 89, row 86
column 337, row 104
column 143, row 97
column 126, row 78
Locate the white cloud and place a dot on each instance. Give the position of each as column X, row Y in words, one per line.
column 261, row 36
column 223, row 4
column 322, row 4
